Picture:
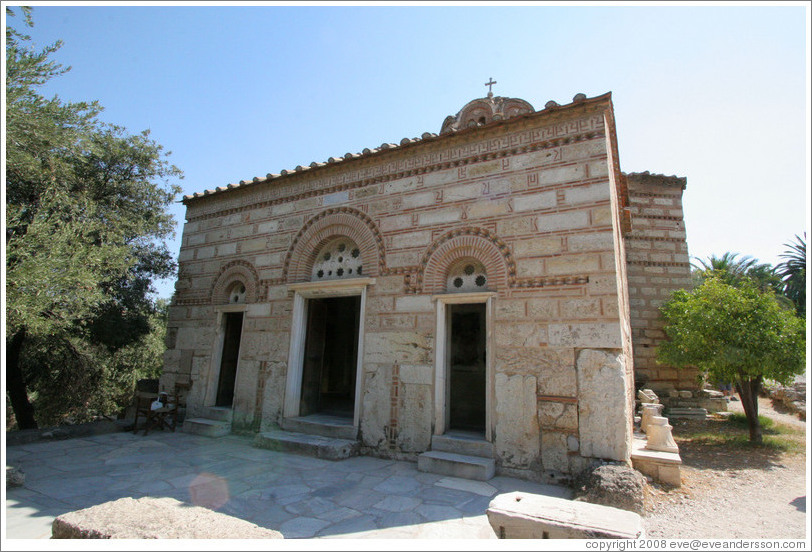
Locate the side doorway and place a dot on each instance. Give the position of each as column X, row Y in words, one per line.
column 463, row 365
column 229, row 359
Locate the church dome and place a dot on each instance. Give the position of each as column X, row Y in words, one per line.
column 485, row 110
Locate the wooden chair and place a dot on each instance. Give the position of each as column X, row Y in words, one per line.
column 143, row 406
column 165, row 417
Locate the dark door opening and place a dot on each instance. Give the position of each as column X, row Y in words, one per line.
column 228, row 362
column 330, row 356
column 466, row 367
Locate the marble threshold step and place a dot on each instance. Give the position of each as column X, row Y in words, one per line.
column 334, row 427
column 464, row 443
column 327, row 448
column 456, row 465
column 206, row 427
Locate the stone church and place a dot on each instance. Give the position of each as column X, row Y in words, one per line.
column 479, row 300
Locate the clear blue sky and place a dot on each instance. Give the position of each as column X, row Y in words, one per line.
column 719, row 95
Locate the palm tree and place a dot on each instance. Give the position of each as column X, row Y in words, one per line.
column 793, row 273
column 733, row 270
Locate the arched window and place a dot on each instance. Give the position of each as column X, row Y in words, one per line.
column 466, row 275
column 236, row 293
column 339, row 258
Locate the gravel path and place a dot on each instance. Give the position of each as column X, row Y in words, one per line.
column 734, row 494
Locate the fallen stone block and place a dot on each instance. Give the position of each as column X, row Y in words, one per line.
column 520, row 515
column 154, row 518
column 615, row 485
column 15, row 477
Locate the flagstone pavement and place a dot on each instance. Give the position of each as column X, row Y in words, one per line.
column 299, row 496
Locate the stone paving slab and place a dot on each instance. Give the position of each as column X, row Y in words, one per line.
column 301, row 497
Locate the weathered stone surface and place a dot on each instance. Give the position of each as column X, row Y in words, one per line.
column 15, row 477
column 376, row 406
column 615, row 485
column 414, row 428
column 554, row 451
column 528, row 516
column 554, row 367
column 604, row 388
column 401, row 346
column 520, row 335
column 517, row 426
column 587, row 334
column 558, row 415
column 154, row 518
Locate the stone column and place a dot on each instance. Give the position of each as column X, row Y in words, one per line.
column 648, row 410
column 659, row 435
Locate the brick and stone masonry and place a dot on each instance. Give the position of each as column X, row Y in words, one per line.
column 575, row 258
column 658, row 264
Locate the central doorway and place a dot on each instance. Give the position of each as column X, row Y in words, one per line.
column 330, row 360
column 466, row 368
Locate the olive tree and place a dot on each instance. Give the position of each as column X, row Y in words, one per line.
column 87, row 220
column 738, row 334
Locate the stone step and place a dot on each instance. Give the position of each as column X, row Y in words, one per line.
column 206, row 427
column 332, row 427
column 664, row 467
column 311, row 445
column 456, row 465
column 220, row 413
column 687, row 413
column 462, row 443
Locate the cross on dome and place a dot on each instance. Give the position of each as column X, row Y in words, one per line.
column 490, row 84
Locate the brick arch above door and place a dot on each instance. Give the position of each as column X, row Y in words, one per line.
column 472, row 243
column 235, row 271
column 327, row 225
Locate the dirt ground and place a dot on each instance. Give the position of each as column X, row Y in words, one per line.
column 730, row 493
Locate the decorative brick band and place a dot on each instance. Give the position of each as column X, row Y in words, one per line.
column 332, row 223
column 659, row 217
column 546, row 144
column 656, row 263
column 555, row 398
column 568, row 280
column 645, row 238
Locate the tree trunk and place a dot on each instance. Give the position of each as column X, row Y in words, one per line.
column 748, row 392
column 15, row 383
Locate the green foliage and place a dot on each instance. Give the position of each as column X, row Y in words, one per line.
column 735, row 270
column 732, row 333
column 793, row 273
column 76, row 380
column 86, row 212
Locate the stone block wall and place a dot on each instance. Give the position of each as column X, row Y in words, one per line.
column 530, row 198
column 658, row 263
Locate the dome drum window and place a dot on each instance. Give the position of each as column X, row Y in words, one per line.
column 339, row 258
